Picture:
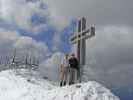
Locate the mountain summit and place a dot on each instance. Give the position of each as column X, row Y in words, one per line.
column 25, row 85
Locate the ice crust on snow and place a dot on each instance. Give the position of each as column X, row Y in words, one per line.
column 27, row 85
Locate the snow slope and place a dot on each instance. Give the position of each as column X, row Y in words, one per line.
column 24, row 85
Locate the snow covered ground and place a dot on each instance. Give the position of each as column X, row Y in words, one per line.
column 27, row 85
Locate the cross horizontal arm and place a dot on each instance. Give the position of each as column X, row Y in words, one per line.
column 81, row 38
column 82, row 35
column 79, row 35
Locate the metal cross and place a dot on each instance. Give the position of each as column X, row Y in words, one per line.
column 80, row 38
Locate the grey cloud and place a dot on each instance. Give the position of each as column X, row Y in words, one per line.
column 110, row 56
column 100, row 12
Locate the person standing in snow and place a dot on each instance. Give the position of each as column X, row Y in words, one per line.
column 74, row 68
column 64, row 70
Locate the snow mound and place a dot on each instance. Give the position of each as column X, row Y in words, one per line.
column 31, row 87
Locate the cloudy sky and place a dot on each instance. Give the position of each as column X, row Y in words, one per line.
column 43, row 27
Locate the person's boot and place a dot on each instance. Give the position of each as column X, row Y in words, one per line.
column 71, row 83
column 64, row 83
column 61, row 83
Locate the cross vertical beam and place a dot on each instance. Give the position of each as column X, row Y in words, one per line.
column 83, row 52
column 79, row 41
column 83, row 43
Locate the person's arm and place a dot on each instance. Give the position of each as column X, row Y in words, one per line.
column 62, row 64
column 61, row 68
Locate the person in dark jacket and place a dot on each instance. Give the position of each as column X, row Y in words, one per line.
column 74, row 67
